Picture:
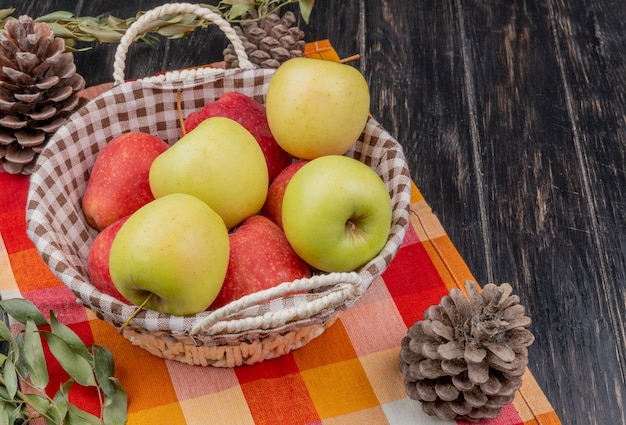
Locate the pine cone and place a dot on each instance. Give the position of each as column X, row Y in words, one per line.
column 269, row 41
column 466, row 359
column 38, row 91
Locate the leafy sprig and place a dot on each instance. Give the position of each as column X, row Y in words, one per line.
column 110, row 29
column 22, row 364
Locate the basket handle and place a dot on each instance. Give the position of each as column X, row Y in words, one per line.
column 345, row 287
column 144, row 22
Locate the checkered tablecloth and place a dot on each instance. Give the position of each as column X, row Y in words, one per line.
column 349, row 375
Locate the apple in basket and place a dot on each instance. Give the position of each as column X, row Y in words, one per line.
column 118, row 184
column 98, row 260
column 219, row 162
column 317, row 107
column 171, row 255
column 273, row 206
column 251, row 115
column 260, row 258
column 336, row 213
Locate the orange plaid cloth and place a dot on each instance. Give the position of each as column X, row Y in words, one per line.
column 348, row 375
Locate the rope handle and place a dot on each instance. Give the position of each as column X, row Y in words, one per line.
column 144, row 22
column 345, row 287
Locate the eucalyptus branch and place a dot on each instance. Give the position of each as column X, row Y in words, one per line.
column 110, row 29
column 23, row 364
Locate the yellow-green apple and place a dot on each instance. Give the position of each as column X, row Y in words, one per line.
column 219, row 162
column 98, row 260
column 172, row 252
column 316, row 107
column 273, row 206
column 260, row 258
column 118, row 184
column 251, row 115
column 336, row 213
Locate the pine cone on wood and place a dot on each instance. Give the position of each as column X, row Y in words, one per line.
column 38, row 91
column 466, row 359
column 269, row 41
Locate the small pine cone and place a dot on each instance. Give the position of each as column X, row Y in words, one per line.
column 466, row 359
column 268, row 42
column 38, row 91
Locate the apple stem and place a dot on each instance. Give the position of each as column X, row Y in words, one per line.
column 350, row 58
column 180, row 111
column 137, row 310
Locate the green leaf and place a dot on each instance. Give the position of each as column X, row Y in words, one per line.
column 93, row 366
column 5, row 332
column 60, row 30
column 170, row 19
column 18, row 412
column 20, row 363
column 5, row 413
column 38, row 403
column 238, row 8
column 104, row 35
column 104, row 367
column 33, row 357
column 70, row 48
column 175, row 30
column 3, row 393
column 77, row 416
column 73, row 363
column 23, row 310
column 69, row 336
column 4, row 13
column 59, row 15
column 10, row 377
column 5, row 335
column 112, row 21
column 89, row 21
column 60, row 404
column 115, row 410
column 305, row 9
column 189, row 19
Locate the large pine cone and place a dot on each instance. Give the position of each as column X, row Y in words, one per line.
column 466, row 359
column 269, row 41
column 38, row 91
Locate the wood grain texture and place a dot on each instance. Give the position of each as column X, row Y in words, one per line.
column 512, row 115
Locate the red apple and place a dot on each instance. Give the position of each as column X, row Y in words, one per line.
column 251, row 115
column 260, row 258
column 118, row 185
column 98, row 260
column 273, row 206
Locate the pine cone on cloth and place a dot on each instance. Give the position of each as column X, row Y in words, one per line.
column 269, row 41
column 38, row 91
column 466, row 359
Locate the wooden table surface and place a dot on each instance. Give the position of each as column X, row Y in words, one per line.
column 512, row 115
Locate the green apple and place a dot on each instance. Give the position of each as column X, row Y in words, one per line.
column 336, row 213
column 173, row 250
column 219, row 162
column 316, row 107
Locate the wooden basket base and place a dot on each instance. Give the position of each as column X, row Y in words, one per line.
column 241, row 353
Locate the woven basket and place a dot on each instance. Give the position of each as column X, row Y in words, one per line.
column 257, row 327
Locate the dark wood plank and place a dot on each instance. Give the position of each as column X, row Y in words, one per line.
column 592, row 59
column 541, row 215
